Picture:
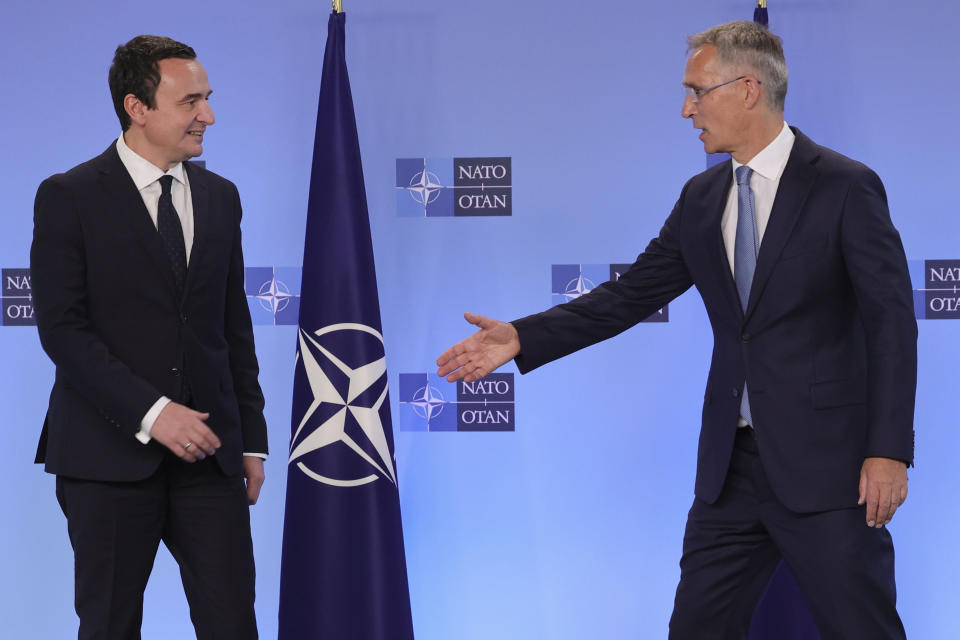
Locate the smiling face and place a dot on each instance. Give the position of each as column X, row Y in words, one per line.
column 720, row 113
column 172, row 131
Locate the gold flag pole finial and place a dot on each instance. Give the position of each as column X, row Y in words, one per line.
column 338, row 6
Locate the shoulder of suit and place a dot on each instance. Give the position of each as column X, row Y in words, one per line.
column 83, row 172
column 79, row 177
column 211, row 179
column 828, row 160
column 836, row 161
column 706, row 178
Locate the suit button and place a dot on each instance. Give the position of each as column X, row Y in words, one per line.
column 745, row 337
column 183, row 318
column 736, row 392
column 175, row 371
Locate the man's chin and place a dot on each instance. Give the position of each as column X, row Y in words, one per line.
column 193, row 151
column 713, row 148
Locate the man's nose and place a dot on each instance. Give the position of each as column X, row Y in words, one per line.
column 689, row 108
column 206, row 114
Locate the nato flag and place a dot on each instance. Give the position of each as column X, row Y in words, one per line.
column 343, row 573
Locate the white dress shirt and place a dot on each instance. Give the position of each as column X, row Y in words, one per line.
column 767, row 168
column 146, row 176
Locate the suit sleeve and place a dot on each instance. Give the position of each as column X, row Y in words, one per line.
column 881, row 281
column 58, row 279
column 244, row 369
column 658, row 276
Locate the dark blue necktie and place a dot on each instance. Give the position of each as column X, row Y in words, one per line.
column 168, row 224
column 745, row 250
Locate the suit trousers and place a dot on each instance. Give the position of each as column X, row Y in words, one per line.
column 203, row 518
column 732, row 547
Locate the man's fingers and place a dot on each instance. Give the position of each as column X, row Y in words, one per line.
column 449, row 354
column 253, row 489
column 194, row 441
column 203, row 441
column 884, row 510
column 254, row 476
column 475, row 373
column 480, row 321
column 883, row 483
column 187, row 452
column 457, row 365
column 183, row 431
column 873, row 500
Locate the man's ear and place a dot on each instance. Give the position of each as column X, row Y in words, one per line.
column 135, row 109
column 754, row 93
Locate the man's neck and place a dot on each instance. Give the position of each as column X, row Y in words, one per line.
column 767, row 131
column 139, row 145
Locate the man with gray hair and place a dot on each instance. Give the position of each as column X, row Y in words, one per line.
column 807, row 428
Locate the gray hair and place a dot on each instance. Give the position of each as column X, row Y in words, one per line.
column 747, row 46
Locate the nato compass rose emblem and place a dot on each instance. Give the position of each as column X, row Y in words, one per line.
column 424, row 187
column 274, row 296
column 427, row 402
column 578, row 287
column 341, row 438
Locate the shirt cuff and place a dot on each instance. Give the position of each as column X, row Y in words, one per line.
column 256, row 455
column 146, row 424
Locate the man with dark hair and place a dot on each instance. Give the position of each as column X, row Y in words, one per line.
column 155, row 426
column 807, row 425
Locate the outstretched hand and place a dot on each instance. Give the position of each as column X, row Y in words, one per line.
column 474, row 357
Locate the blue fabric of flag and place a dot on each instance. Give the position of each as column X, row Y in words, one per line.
column 343, row 572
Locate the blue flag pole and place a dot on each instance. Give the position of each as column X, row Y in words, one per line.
column 343, row 571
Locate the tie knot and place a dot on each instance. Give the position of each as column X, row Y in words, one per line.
column 166, row 181
column 743, row 174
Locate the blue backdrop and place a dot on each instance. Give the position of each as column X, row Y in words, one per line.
column 570, row 526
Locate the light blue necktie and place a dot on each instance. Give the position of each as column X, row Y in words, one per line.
column 745, row 250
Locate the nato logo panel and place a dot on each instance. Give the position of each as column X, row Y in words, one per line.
column 17, row 296
column 454, row 187
column 936, row 289
column 570, row 281
column 430, row 403
column 273, row 294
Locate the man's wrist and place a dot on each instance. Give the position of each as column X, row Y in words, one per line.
column 146, row 424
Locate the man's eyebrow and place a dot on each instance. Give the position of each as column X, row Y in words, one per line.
column 195, row 96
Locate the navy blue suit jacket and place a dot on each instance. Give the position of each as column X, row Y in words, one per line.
column 827, row 344
column 110, row 320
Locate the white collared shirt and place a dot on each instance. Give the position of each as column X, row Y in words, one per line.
column 767, row 168
column 146, row 176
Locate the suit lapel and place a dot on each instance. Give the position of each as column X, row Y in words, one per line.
column 200, row 196
column 127, row 205
column 798, row 178
column 715, row 201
